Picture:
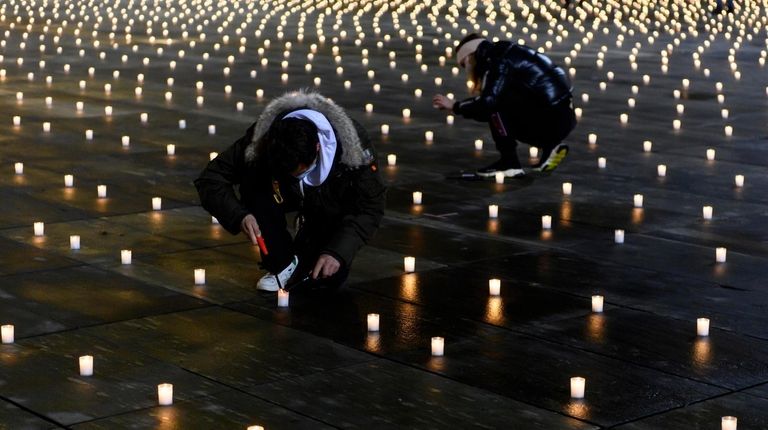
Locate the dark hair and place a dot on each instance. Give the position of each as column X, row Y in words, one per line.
column 467, row 38
column 290, row 142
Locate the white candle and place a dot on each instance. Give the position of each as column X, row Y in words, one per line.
column 199, row 276
column 438, row 346
column 597, row 304
column 157, row 203
column 728, row 131
column 493, row 211
column 676, row 124
column 739, row 180
column 74, row 242
column 680, row 109
column 182, row 124
column 478, row 144
column 729, row 423
column 720, row 254
column 406, row 113
column 125, row 256
column 706, row 212
column 409, row 264
column 39, row 228
column 702, row 326
column 592, row 138
column 239, row 106
column 283, row 298
column 69, row 181
column 368, row 108
column 567, row 188
column 108, row 110
column 7, row 333
column 144, row 117
column 213, row 155
column 86, row 365
column 578, row 385
column 710, row 154
column 255, row 428
column 546, row 222
column 449, row 119
column 624, row 118
column 79, row 106
column 170, row 149
column 417, row 195
column 499, row 177
column 212, row 129
column 638, row 200
column 494, row 287
column 126, row 141
column 429, row 136
column 601, row 162
column 618, row 236
column 17, row 121
column 88, row 134
column 373, row 322
column 647, row 146
column 391, row 159
column 385, row 129
column 533, row 152
column 724, row 113
column 47, row 127
column 165, row 394
column 661, row 170
column 101, row 191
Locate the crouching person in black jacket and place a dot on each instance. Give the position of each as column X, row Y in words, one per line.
column 303, row 154
column 522, row 95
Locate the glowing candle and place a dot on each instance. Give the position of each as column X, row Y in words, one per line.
column 125, row 256
column 661, row 170
column 702, row 326
column 144, row 117
column 478, row 144
column 86, row 365
column 710, row 154
column 39, row 228
column 647, row 146
column 578, row 387
column 108, row 110
column 88, row 134
column 417, row 195
column 597, row 304
column 157, row 203
column 74, row 242
column 592, row 138
column 6, row 332
column 533, row 152
column 384, row 129
column 255, row 428
column 493, row 211
column 212, row 129
column 739, row 180
column 170, row 149
column 79, row 106
column 69, row 180
column 101, row 191
column 406, row 113
column 47, row 127
column 373, row 322
column 706, row 212
column 438, row 346
column 239, row 106
column 449, row 119
column 16, row 120
column 720, row 254
column 391, row 159
column 724, row 113
column 283, row 298
column 429, row 136
column 165, row 394
column 680, row 109
column 638, row 199
column 729, row 423
column 369, row 107
column 126, row 141
column 494, row 287
column 618, row 236
column 728, row 131
column 499, row 177
column 182, row 124
column 567, row 188
column 624, row 118
column 409, row 264
column 601, row 162
column 213, row 155
column 199, row 276
column 546, row 222
column 676, row 124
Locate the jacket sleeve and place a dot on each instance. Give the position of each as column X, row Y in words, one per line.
column 216, row 185
column 481, row 108
column 359, row 227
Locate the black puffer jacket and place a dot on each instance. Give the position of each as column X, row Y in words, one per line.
column 346, row 209
column 515, row 78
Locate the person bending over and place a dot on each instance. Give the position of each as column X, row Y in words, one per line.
column 522, row 95
column 303, row 154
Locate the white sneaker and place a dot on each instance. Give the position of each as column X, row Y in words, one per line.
column 269, row 282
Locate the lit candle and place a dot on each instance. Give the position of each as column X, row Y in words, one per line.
column 618, row 236
column 724, row 113
column 417, row 196
column 88, row 134
column 533, row 152
column 17, row 121
column 144, row 117
column 368, row 108
column 373, row 322
column 710, row 154
column 478, row 144
column 676, row 124
column 546, row 222
column 39, row 228
column 592, row 138
column 624, row 118
column 255, row 428
column 702, row 326
column 157, row 203
column 47, row 127
column 385, row 129
column 165, row 394
column 647, row 146
column 212, row 129
column 69, row 181
column 125, row 256
column 283, row 298
column 429, row 136
column 6, row 332
column 680, row 109
column 126, row 141
column 449, row 119
column 406, row 113
column 638, row 200
column 729, row 423
column 567, row 188
column 739, row 180
column 601, row 162
column 597, row 304
column 391, row 159
column 499, row 177
column 578, row 387
column 86, row 365
column 213, row 155
column 494, row 287
column 74, row 242
column 728, row 131
column 493, row 211
column 101, row 191
column 720, row 254
column 199, row 276
column 438, row 346
column 661, row 170
column 409, row 264
column 170, row 149
column 182, row 124
column 108, row 110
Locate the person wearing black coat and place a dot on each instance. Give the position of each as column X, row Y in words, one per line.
column 522, row 95
column 303, row 154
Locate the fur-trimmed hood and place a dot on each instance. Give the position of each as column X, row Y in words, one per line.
column 346, row 135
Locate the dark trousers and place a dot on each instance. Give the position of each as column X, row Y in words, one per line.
column 543, row 128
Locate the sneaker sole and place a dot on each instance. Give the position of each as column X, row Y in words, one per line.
column 554, row 160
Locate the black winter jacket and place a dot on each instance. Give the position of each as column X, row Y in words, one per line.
column 515, row 78
column 346, row 209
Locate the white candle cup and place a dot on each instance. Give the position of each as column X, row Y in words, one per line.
column 108, row 110
column 724, row 113
column 493, row 211
column 578, row 387
column 567, row 188
column 624, row 118
column 710, row 154
column 391, row 160
column 702, row 327
column 182, row 124
column 165, row 394
column 592, row 138
column 144, row 117
column 478, row 144
column 384, row 129
column 680, row 109
column 438, row 346
column 213, row 155
column 101, row 191
column 618, row 236
column 16, row 121
column 661, row 170
column 255, row 428
column 721, row 254
column 602, row 162
column 39, row 228
column 638, row 200
column 647, row 146
column 211, row 129
column 368, row 107
column 597, row 304
column 170, row 149
column 406, row 113
column 546, row 222
column 283, row 298
column 676, row 124
column 417, row 197
column 88, row 134
column 449, row 119
column 373, row 322
column 729, row 423
column 533, row 152
column 69, row 181
column 199, row 276
column 739, row 180
column 126, row 141
column 7, row 333
column 86, row 365
column 409, row 264
column 499, row 177
column 728, row 130
column 47, row 127
column 157, row 203
column 214, row 220
column 74, row 242
column 707, row 212
column 125, row 256
column 494, row 287
column 429, row 136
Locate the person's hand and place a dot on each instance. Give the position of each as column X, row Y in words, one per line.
column 442, row 102
column 325, row 267
column 251, row 228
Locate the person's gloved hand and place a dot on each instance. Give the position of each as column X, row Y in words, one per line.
column 251, row 228
column 325, row 267
column 442, row 102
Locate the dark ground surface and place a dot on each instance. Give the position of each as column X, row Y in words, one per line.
column 237, row 360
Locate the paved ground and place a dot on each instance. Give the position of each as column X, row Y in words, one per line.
column 236, row 360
